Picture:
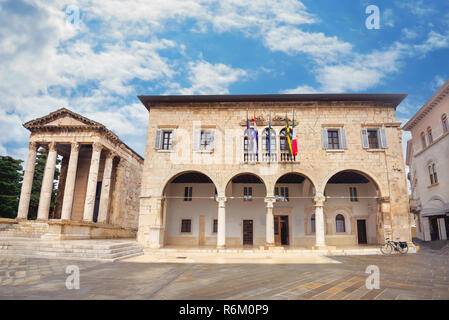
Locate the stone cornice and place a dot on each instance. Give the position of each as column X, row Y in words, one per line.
column 40, row 125
column 434, row 101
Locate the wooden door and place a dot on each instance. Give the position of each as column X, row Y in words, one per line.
column 284, row 230
column 434, row 233
column 277, row 228
column 361, row 231
column 248, row 232
column 281, row 230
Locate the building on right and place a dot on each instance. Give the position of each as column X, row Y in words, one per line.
column 428, row 161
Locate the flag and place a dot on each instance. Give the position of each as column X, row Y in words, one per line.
column 294, row 141
column 255, row 142
column 287, row 129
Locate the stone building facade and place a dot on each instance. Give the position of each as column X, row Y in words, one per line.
column 203, row 186
column 99, row 185
column 428, row 160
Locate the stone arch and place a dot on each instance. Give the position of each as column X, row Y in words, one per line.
column 306, row 176
column 234, row 175
column 382, row 190
column 173, row 176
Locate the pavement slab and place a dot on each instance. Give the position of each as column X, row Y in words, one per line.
column 424, row 275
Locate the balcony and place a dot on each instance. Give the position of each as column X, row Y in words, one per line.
column 415, row 205
column 266, row 157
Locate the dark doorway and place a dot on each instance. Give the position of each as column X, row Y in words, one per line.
column 433, row 224
column 446, row 220
column 361, row 232
column 248, row 232
column 97, row 201
column 281, row 230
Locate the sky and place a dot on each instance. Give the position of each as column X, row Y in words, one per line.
column 95, row 57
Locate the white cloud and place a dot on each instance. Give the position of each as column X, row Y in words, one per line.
column 434, row 41
column 388, row 18
column 207, row 78
column 293, row 41
column 301, row 89
column 437, row 82
column 409, row 33
column 361, row 71
column 416, row 7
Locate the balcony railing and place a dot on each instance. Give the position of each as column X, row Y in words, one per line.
column 287, row 157
column 269, row 157
column 266, row 157
column 250, row 157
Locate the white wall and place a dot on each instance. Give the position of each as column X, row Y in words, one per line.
column 237, row 210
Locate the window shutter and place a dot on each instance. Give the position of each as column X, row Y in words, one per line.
column 196, row 139
column 158, row 140
column 365, row 142
column 172, row 140
column 324, row 139
column 383, row 138
column 212, row 140
column 342, row 134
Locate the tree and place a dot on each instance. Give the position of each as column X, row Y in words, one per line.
column 11, row 175
column 39, row 169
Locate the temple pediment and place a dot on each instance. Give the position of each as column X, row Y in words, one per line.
column 61, row 118
column 66, row 121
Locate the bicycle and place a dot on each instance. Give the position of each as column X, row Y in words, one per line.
column 389, row 246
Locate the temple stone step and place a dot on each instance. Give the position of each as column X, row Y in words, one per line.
column 98, row 250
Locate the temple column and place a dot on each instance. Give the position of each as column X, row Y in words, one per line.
column 67, row 202
column 319, row 222
column 92, row 182
column 47, row 183
column 221, row 232
column 105, row 188
column 27, row 184
column 270, row 221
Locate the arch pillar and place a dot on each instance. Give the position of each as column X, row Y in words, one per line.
column 270, row 221
column 320, row 242
column 221, row 232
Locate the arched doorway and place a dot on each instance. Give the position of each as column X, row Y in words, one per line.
column 294, row 193
column 245, row 211
column 189, row 210
column 352, row 209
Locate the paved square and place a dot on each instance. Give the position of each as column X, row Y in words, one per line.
column 414, row 276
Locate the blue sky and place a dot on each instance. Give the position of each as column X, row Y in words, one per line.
column 96, row 65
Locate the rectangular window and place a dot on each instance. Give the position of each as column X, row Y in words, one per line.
column 373, row 139
column 186, row 225
column 445, row 125
column 206, row 140
column 353, row 194
column 433, row 174
column 333, row 139
column 281, row 194
column 188, row 194
column 167, row 140
column 247, row 193
column 215, row 228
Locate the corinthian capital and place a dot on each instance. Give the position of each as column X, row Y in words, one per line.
column 52, row 146
column 97, row 147
column 33, row 145
column 75, row 146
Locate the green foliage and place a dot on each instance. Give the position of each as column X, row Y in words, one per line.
column 11, row 175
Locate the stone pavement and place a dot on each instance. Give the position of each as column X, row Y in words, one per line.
column 415, row 276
